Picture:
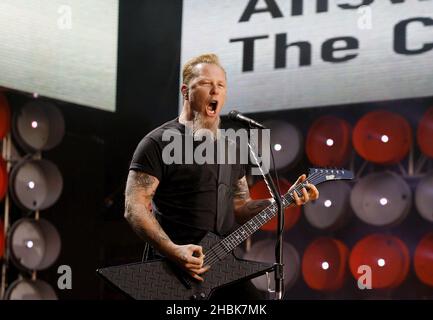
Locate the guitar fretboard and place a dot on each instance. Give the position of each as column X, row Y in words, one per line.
column 246, row 230
column 238, row 236
column 225, row 246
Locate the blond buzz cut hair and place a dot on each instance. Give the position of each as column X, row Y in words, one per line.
column 188, row 71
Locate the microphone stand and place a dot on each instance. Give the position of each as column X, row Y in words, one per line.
column 278, row 266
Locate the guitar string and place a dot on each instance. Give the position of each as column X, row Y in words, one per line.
column 220, row 249
column 214, row 258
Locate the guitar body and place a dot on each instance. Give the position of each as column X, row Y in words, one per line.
column 161, row 280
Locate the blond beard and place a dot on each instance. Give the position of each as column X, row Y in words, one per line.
column 201, row 127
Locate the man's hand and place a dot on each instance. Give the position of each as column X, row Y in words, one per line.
column 190, row 258
column 311, row 194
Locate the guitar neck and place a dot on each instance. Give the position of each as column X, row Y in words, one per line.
column 251, row 226
column 225, row 246
column 238, row 236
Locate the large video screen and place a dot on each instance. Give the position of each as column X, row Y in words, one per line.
column 286, row 54
column 62, row 49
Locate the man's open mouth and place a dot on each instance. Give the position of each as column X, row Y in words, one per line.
column 212, row 107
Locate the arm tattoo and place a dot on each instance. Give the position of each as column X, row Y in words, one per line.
column 241, row 191
column 139, row 180
column 144, row 180
column 258, row 205
column 245, row 207
column 140, row 189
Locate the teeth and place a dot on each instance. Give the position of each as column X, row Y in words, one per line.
column 213, row 106
column 211, row 110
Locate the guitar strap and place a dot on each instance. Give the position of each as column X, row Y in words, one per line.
column 225, row 219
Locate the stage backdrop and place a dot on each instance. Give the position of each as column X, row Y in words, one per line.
column 63, row 49
column 294, row 54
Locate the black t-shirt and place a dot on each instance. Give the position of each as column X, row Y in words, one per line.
column 187, row 196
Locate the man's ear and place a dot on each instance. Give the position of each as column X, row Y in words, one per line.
column 185, row 91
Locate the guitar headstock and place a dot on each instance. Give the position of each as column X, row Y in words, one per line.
column 319, row 175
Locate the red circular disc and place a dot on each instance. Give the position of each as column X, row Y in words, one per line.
column 382, row 137
column 324, row 264
column 3, row 178
column 2, row 239
column 328, row 142
column 425, row 133
column 291, row 214
column 5, row 116
column 387, row 256
column 423, row 259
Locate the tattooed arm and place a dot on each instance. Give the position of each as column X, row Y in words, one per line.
column 244, row 207
column 140, row 189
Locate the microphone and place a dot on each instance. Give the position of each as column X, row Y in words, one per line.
column 235, row 115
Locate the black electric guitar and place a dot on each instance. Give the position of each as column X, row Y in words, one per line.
column 162, row 280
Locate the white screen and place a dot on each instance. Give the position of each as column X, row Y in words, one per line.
column 377, row 73
column 62, row 49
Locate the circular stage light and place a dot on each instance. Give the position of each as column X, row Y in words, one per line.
column 291, row 214
column 30, row 290
column 34, row 244
column 423, row 259
column 324, row 264
column 36, row 184
column 424, row 197
column 425, row 132
column 39, row 125
column 381, row 199
column 329, row 142
column 331, row 209
column 3, row 178
column 382, row 137
column 5, row 116
column 264, row 251
column 286, row 141
column 387, row 256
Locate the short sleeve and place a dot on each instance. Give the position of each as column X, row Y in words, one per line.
column 147, row 158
